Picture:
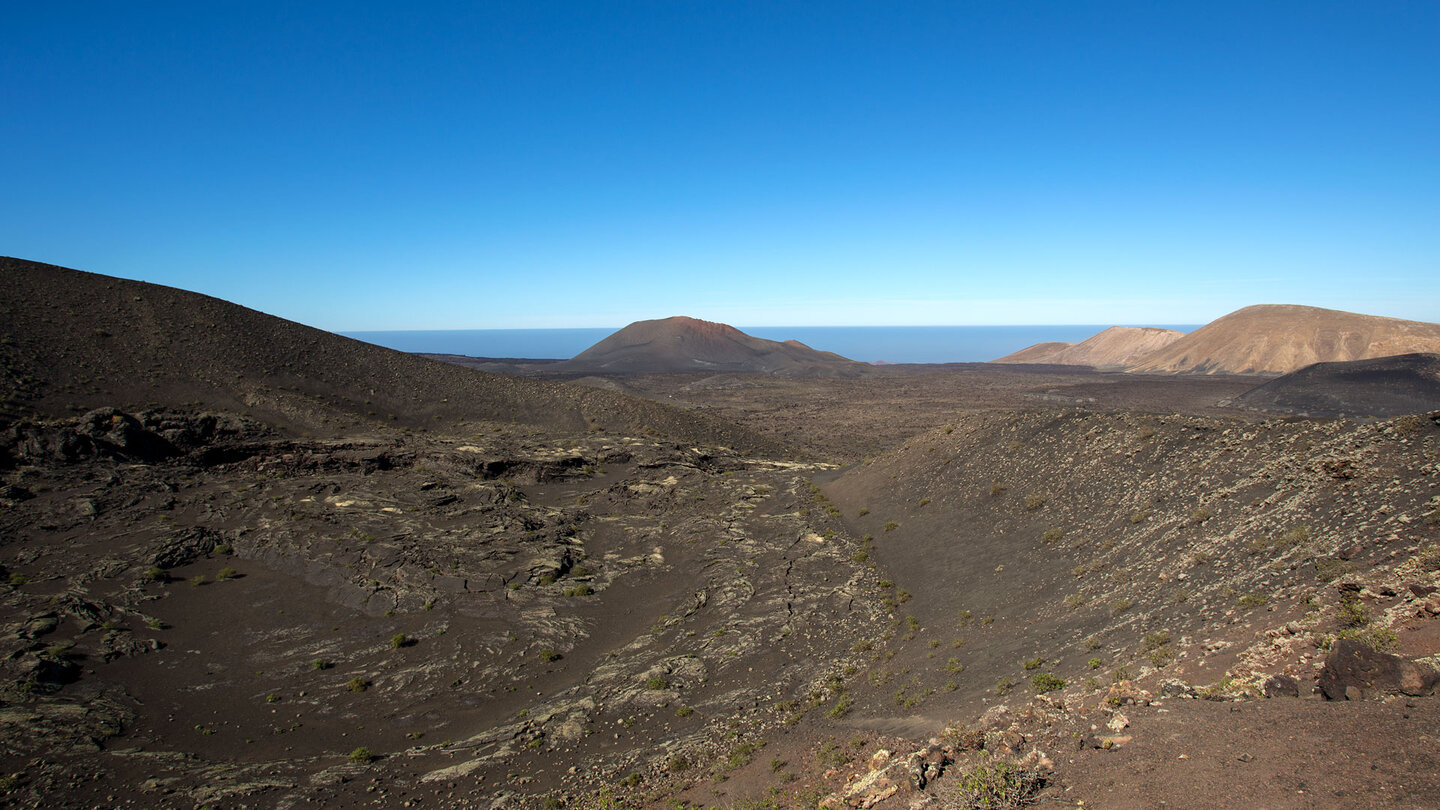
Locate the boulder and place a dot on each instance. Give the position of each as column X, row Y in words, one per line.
column 1353, row 671
column 1282, row 686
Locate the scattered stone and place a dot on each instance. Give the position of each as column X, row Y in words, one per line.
column 1281, row 686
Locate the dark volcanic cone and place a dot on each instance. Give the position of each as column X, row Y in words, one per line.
column 688, row 344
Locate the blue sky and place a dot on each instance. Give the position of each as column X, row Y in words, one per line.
column 359, row 165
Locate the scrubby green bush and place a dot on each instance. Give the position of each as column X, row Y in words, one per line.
column 1045, row 682
column 997, row 784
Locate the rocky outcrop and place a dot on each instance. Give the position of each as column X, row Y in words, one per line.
column 1354, row 671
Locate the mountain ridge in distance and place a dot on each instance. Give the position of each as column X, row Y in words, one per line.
column 1264, row 339
column 1110, row 349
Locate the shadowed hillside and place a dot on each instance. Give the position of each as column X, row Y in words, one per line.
column 681, row 344
column 72, row 341
column 1078, row 544
column 1382, row 387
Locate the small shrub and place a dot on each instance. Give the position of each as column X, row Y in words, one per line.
column 1139, row 517
column 1159, row 658
column 1296, row 536
column 226, row 573
column 1353, row 613
column 1003, row 686
column 1051, row 535
column 891, row 525
column 357, row 684
column 655, row 683
column 1380, row 639
column 320, row 663
column 1074, row 601
column 400, row 640
column 684, row 711
column 580, row 590
column 1094, row 663
column 831, row 755
column 841, row 707
column 547, row 655
column 197, row 580
column 1201, row 515
column 1045, row 682
column 1119, row 606
column 1034, row 501
column 1156, row 640
column 272, row 698
column 1429, row 556
column 742, row 754
column 677, row 764
column 999, row 784
column 1253, row 600
column 1332, row 569
column 996, row 490
column 1034, row 663
column 157, row 574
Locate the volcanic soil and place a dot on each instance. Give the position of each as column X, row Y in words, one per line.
column 233, row 580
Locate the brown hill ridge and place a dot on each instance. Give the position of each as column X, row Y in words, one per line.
column 1279, row 339
column 1114, row 348
column 680, row 344
column 1266, row 339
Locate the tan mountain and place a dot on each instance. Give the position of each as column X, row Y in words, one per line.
column 689, row 344
column 1039, row 353
column 1278, row 339
column 1113, row 348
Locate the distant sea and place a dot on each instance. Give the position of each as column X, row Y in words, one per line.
column 870, row 344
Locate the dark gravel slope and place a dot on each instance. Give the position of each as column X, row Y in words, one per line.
column 71, row 341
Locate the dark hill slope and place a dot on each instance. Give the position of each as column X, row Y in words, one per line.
column 1056, row 538
column 681, row 344
column 1383, row 387
column 71, row 341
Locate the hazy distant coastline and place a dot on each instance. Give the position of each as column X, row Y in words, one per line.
column 890, row 344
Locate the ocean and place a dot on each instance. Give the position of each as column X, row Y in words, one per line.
column 869, row 344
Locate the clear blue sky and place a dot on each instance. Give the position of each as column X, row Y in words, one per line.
column 362, row 165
